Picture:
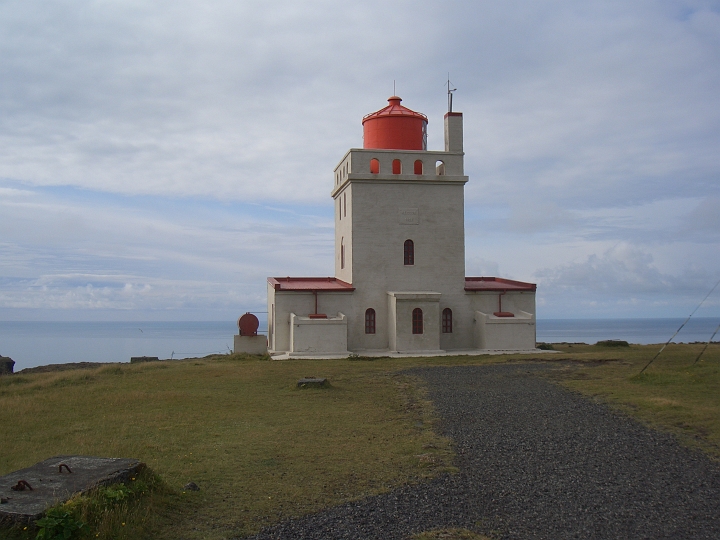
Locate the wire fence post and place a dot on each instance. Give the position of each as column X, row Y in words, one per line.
column 681, row 327
column 707, row 344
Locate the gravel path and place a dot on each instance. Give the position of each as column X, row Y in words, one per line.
column 536, row 461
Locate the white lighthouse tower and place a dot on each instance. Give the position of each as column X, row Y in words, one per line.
column 400, row 284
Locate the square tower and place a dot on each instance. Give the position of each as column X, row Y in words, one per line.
column 400, row 228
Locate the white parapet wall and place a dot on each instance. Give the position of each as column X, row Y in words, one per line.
column 400, row 316
column 504, row 333
column 251, row 344
column 312, row 335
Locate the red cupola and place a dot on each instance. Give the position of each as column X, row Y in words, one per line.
column 395, row 128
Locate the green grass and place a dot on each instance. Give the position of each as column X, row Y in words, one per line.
column 262, row 450
column 673, row 394
column 259, row 448
column 121, row 511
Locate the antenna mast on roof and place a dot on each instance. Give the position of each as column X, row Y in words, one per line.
column 394, row 94
column 450, row 91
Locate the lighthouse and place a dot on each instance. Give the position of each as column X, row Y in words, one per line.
column 399, row 285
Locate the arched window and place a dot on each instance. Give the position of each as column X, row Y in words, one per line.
column 369, row 321
column 409, row 253
column 342, row 252
column 418, row 166
column 374, row 166
column 417, row 321
column 439, row 168
column 396, row 166
column 447, row 321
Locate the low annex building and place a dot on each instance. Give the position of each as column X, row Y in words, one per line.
column 400, row 283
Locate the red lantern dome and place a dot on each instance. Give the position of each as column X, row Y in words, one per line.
column 395, row 128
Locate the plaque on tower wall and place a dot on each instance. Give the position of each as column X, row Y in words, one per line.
column 408, row 216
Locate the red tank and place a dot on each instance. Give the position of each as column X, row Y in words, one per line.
column 395, row 128
column 248, row 325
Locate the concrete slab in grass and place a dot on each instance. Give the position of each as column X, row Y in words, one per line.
column 51, row 483
column 313, row 382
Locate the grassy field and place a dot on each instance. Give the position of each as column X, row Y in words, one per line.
column 674, row 393
column 261, row 449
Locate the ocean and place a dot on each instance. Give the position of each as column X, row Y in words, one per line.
column 33, row 344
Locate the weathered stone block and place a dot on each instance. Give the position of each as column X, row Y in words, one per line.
column 56, row 480
column 137, row 359
column 6, row 365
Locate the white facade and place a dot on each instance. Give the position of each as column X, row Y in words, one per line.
column 405, row 195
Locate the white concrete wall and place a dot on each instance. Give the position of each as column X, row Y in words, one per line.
column 250, row 344
column 400, row 308
column 376, row 227
column 513, row 302
column 453, row 132
column 285, row 303
column 357, row 163
column 344, row 232
column 271, row 317
column 391, row 331
column 462, row 327
column 354, row 170
column 380, row 229
column 464, row 306
column 505, row 333
column 323, row 336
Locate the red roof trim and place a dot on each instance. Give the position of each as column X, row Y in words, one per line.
column 497, row 284
column 310, row 284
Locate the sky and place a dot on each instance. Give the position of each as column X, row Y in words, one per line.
column 159, row 160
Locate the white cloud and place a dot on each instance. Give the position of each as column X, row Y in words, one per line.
column 624, row 281
column 703, row 222
column 532, row 216
column 190, row 146
column 122, row 292
column 81, row 252
column 621, row 270
column 254, row 100
column 477, row 266
column 6, row 192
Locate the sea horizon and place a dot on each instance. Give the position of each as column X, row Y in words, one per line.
column 36, row 343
